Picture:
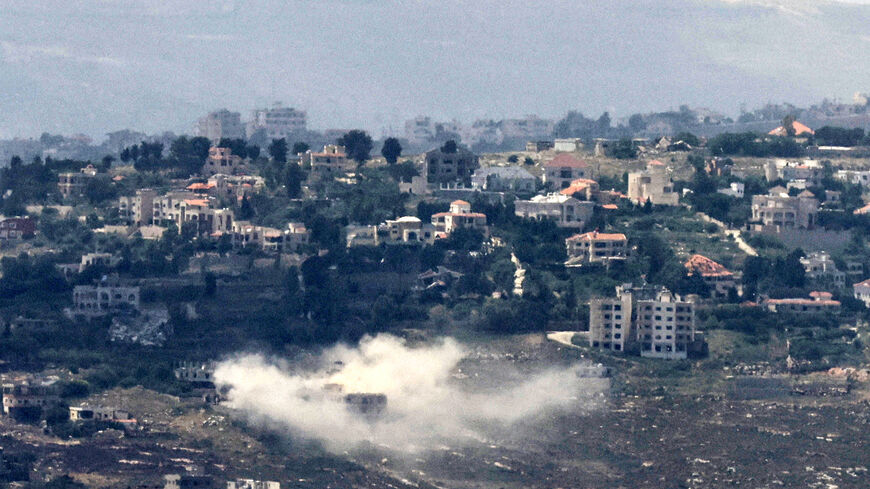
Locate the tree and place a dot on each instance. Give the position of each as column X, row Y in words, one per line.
column 358, row 145
column 253, row 151
column 449, row 147
column 238, row 146
column 210, row 284
column 513, row 159
column 623, row 149
column 246, row 211
column 391, row 150
column 293, row 177
column 300, row 147
column 788, row 125
column 278, row 150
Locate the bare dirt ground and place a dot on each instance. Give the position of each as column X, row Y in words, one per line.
column 672, row 435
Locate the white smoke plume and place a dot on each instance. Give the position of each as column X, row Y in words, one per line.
column 426, row 404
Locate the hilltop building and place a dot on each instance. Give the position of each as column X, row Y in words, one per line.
column 277, row 123
column 108, row 296
column 330, row 163
column 503, row 179
column 595, row 247
column 440, row 166
column 563, row 169
column 777, row 210
column 653, row 184
column 565, row 211
column 27, row 396
column 820, row 268
column 220, row 124
column 72, row 184
column 222, row 160
column 459, row 217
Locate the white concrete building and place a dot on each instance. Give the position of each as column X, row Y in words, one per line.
column 861, row 292
column 565, row 211
column 595, row 247
column 459, row 217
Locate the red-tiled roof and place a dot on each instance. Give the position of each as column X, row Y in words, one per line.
column 595, row 235
column 865, row 283
column 706, row 267
column 469, row 214
column 798, row 130
column 197, row 202
column 610, row 207
column 459, row 202
column 656, row 163
column 566, row 160
column 200, row 186
column 578, row 185
column 802, row 302
column 817, row 294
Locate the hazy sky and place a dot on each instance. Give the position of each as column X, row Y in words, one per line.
column 93, row 66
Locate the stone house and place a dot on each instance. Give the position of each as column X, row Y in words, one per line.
column 653, row 184
column 563, row 169
column 595, row 247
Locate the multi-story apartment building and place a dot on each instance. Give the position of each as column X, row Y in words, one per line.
column 440, row 166
column 565, row 211
column 72, row 184
column 653, row 184
column 563, row 169
column 277, row 123
column 777, row 210
column 459, row 217
column 650, row 318
column 809, row 171
column 28, row 396
column 186, row 208
column 717, row 278
column 595, row 247
column 223, row 161
column 292, row 239
column 330, row 163
column 137, row 210
column 220, row 124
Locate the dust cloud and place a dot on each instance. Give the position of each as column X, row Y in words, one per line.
column 428, row 402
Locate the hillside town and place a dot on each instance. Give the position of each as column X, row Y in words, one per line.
column 739, row 258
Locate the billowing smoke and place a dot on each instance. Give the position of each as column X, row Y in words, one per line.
column 428, row 402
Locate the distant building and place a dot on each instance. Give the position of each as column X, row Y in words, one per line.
column 28, row 396
column 356, row 235
column 736, row 190
column 442, row 167
column 188, row 481
column 420, row 130
column 820, row 268
column 538, row 146
column 459, row 217
column 565, row 211
column 571, row 145
column 277, row 123
column 649, row 318
column 13, row 228
column 220, row 124
column 653, row 184
column 503, row 179
column 820, row 302
column 858, row 177
column 252, row 484
column 187, row 208
column 98, row 413
column 409, row 229
column 777, row 210
column 595, row 247
column 808, row 170
column 137, row 210
column 563, row 169
column 96, row 259
column 717, row 278
column 106, row 297
column 222, row 160
column 244, row 235
column 72, row 184
column 529, row 127
column 330, row 163
column 861, row 292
